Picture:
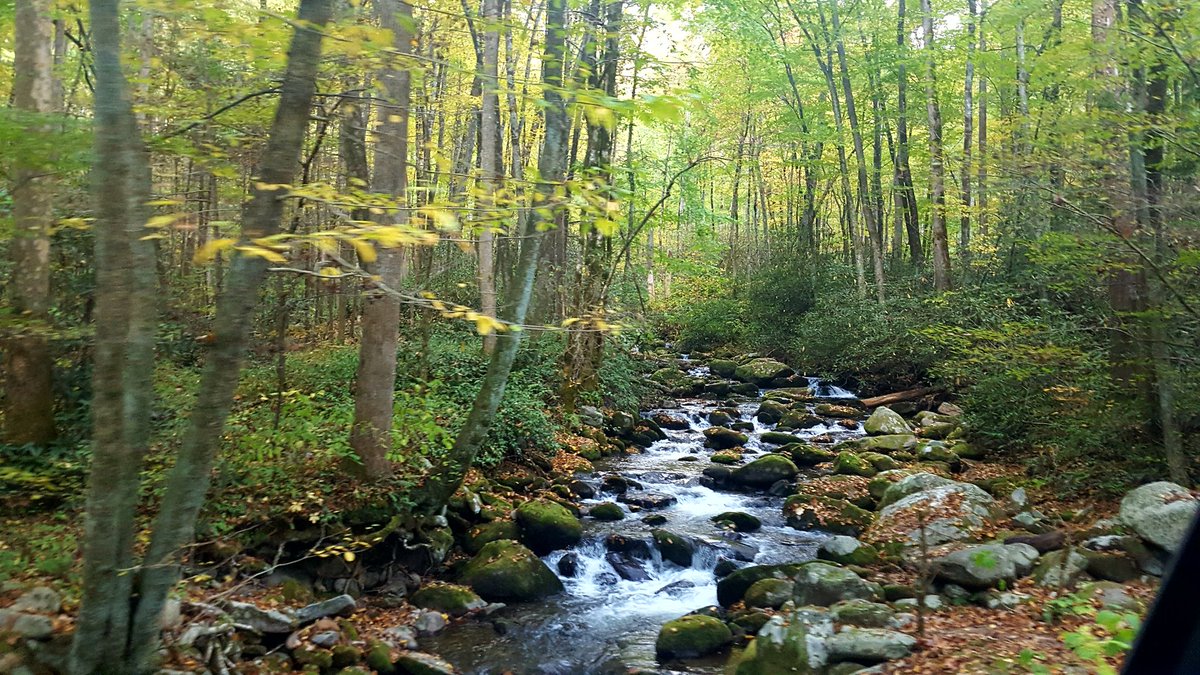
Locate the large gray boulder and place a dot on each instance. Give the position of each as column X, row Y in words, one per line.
column 762, row 371
column 823, row 584
column 950, row 511
column 885, row 421
column 910, row 485
column 1159, row 513
column 793, row 643
column 985, row 566
column 869, row 645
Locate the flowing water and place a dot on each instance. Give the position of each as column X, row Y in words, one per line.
column 605, row 624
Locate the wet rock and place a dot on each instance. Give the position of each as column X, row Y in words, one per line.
column 618, row 484
column 547, row 526
column 806, row 454
column 673, row 547
column 507, row 571
column 489, row 532
column 672, row 422
column 607, row 511
column 837, row 411
column 799, row 419
column 738, row 521
column 722, row 438
column 862, row 613
column 429, row 623
column 869, row 645
column 420, row 663
column 792, row 643
column 770, row 412
column 648, row 500
column 721, row 418
column 1159, row 513
column 341, row 605
column 845, row 550
column 837, row 516
column 734, row 586
column 765, row 471
column 627, row 567
column 590, row 416
column 675, row 589
column 987, row 565
column 728, row 457
column 450, row 599
column 581, row 490
column 692, row 636
column 401, row 637
column 884, row 421
column 823, row 584
column 722, row 367
column 655, row 519
column 768, row 593
column 777, row 438
column 849, row 464
column 724, row 568
column 568, row 565
column 619, row 543
column 325, row 638
column 260, row 620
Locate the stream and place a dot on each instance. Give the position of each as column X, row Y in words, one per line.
column 605, row 624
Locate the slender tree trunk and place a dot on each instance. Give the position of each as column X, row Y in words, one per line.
column 874, row 231
column 489, row 127
column 188, row 480
column 912, row 222
column 964, row 226
column 551, row 170
column 124, row 363
column 981, row 216
column 28, row 361
column 374, row 396
column 937, row 177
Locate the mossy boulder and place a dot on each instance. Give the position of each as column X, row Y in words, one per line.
column 607, row 511
column 770, row 412
column 670, row 377
column 878, row 461
column 831, row 514
column 768, row 593
column 722, row 367
column 726, row 457
column 777, row 438
column 862, row 613
column 496, row 530
column 782, row 645
column 420, row 663
column 765, row 471
column 845, row 550
column 506, row 571
column 722, row 438
column 547, row 526
column 738, row 521
column 692, row 636
column 885, row 421
column 449, row 599
column 722, row 418
column 887, row 444
column 762, row 371
column 838, row 411
column 850, row 464
column 673, row 547
column 799, row 419
column 807, row 454
column 823, row 584
column 733, row 587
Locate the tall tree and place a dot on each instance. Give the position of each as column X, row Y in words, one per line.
column 937, row 169
column 374, row 397
column 489, row 135
column 552, row 169
column 28, row 362
column 964, row 226
column 903, row 178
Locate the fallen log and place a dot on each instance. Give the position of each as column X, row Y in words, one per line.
column 899, row 396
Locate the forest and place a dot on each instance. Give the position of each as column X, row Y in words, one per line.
column 595, row 337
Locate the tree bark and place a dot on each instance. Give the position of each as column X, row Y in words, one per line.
column 489, row 128
column 552, row 166
column 374, row 397
column 912, row 223
column 28, row 361
column 964, row 226
column 937, row 177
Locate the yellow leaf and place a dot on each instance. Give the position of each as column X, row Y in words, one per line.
column 163, row 220
column 348, row 556
column 331, row 272
column 484, row 324
column 366, row 252
column 209, row 251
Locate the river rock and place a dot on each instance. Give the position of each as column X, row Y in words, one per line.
column 765, row 471
column 420, row 663
column 822, row 584
column 793, row 644
column 850, row 464
column 691, row 636
column 647, row 500
column 837, row 411
column 568, row 565
column 451, row 599
column 888, row 444
column 1061, row 568
column 547, row 526
column 341, row 605
column 770, row 412
column 721, row 438
column 590, row 415
column 261, row 620
column 29, row 626
column 738, row 521
column 734, row 586
column 672, row 422
column 837, row 516
column 627, row 567
column 722, row 418
column 1111, row 566
column 619, row 543
column 987, row 565
column 869, row 645
column 862, row 613
column 1160, row 513
column 777, row 438
column 845, row 550
column 951, row 510
column 727, row 457
column 607, row 511
column 496, row 530
column 762, row 371
column 768, row 593
column 722, row 367
column 807, row 454
column 1112, row 596
column 673, row 547
column 884, row 421
column 506, row 571
column 38, row 600
column 799, row 419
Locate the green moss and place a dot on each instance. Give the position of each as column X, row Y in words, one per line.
column 449, row 599
column 692, row 636
column 850, row 464
column 506, row 571
column 607, row 511
column 547, row 526
column 496, row 530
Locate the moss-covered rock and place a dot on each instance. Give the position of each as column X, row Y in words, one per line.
column 761, row 371
column 607, row 511
column 722, row 438
column 378, row 658
column 726, row 457
column 889, row 444
column 822, row 584
column 799, row 419
column 777, row 438
column 850, row 464
column 838, row 516
column 692, row 636
column 506, row 571
column 765, row 471
column 878, row 461
column 845, row 550
column 738, row 521
column 885, row 421
column 807, row 454
column 547, row 526
column 496, row 530
column 722, row 418
column 673, row 547
column 722, row 367
column 782, row 645
column 733, row 587
column 420, row 663
column 768, row 593
column 862, row 613
column 770, row 412
column 838, row 411
column 449, row 599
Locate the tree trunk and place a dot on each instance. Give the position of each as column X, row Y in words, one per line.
column 937, row 177
column 28, row 361
column 981, row 216
column 912, row 223
column 964, row 226
column 188, row 480
column 489, row 128
column 374, row 396
column 551, row 170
